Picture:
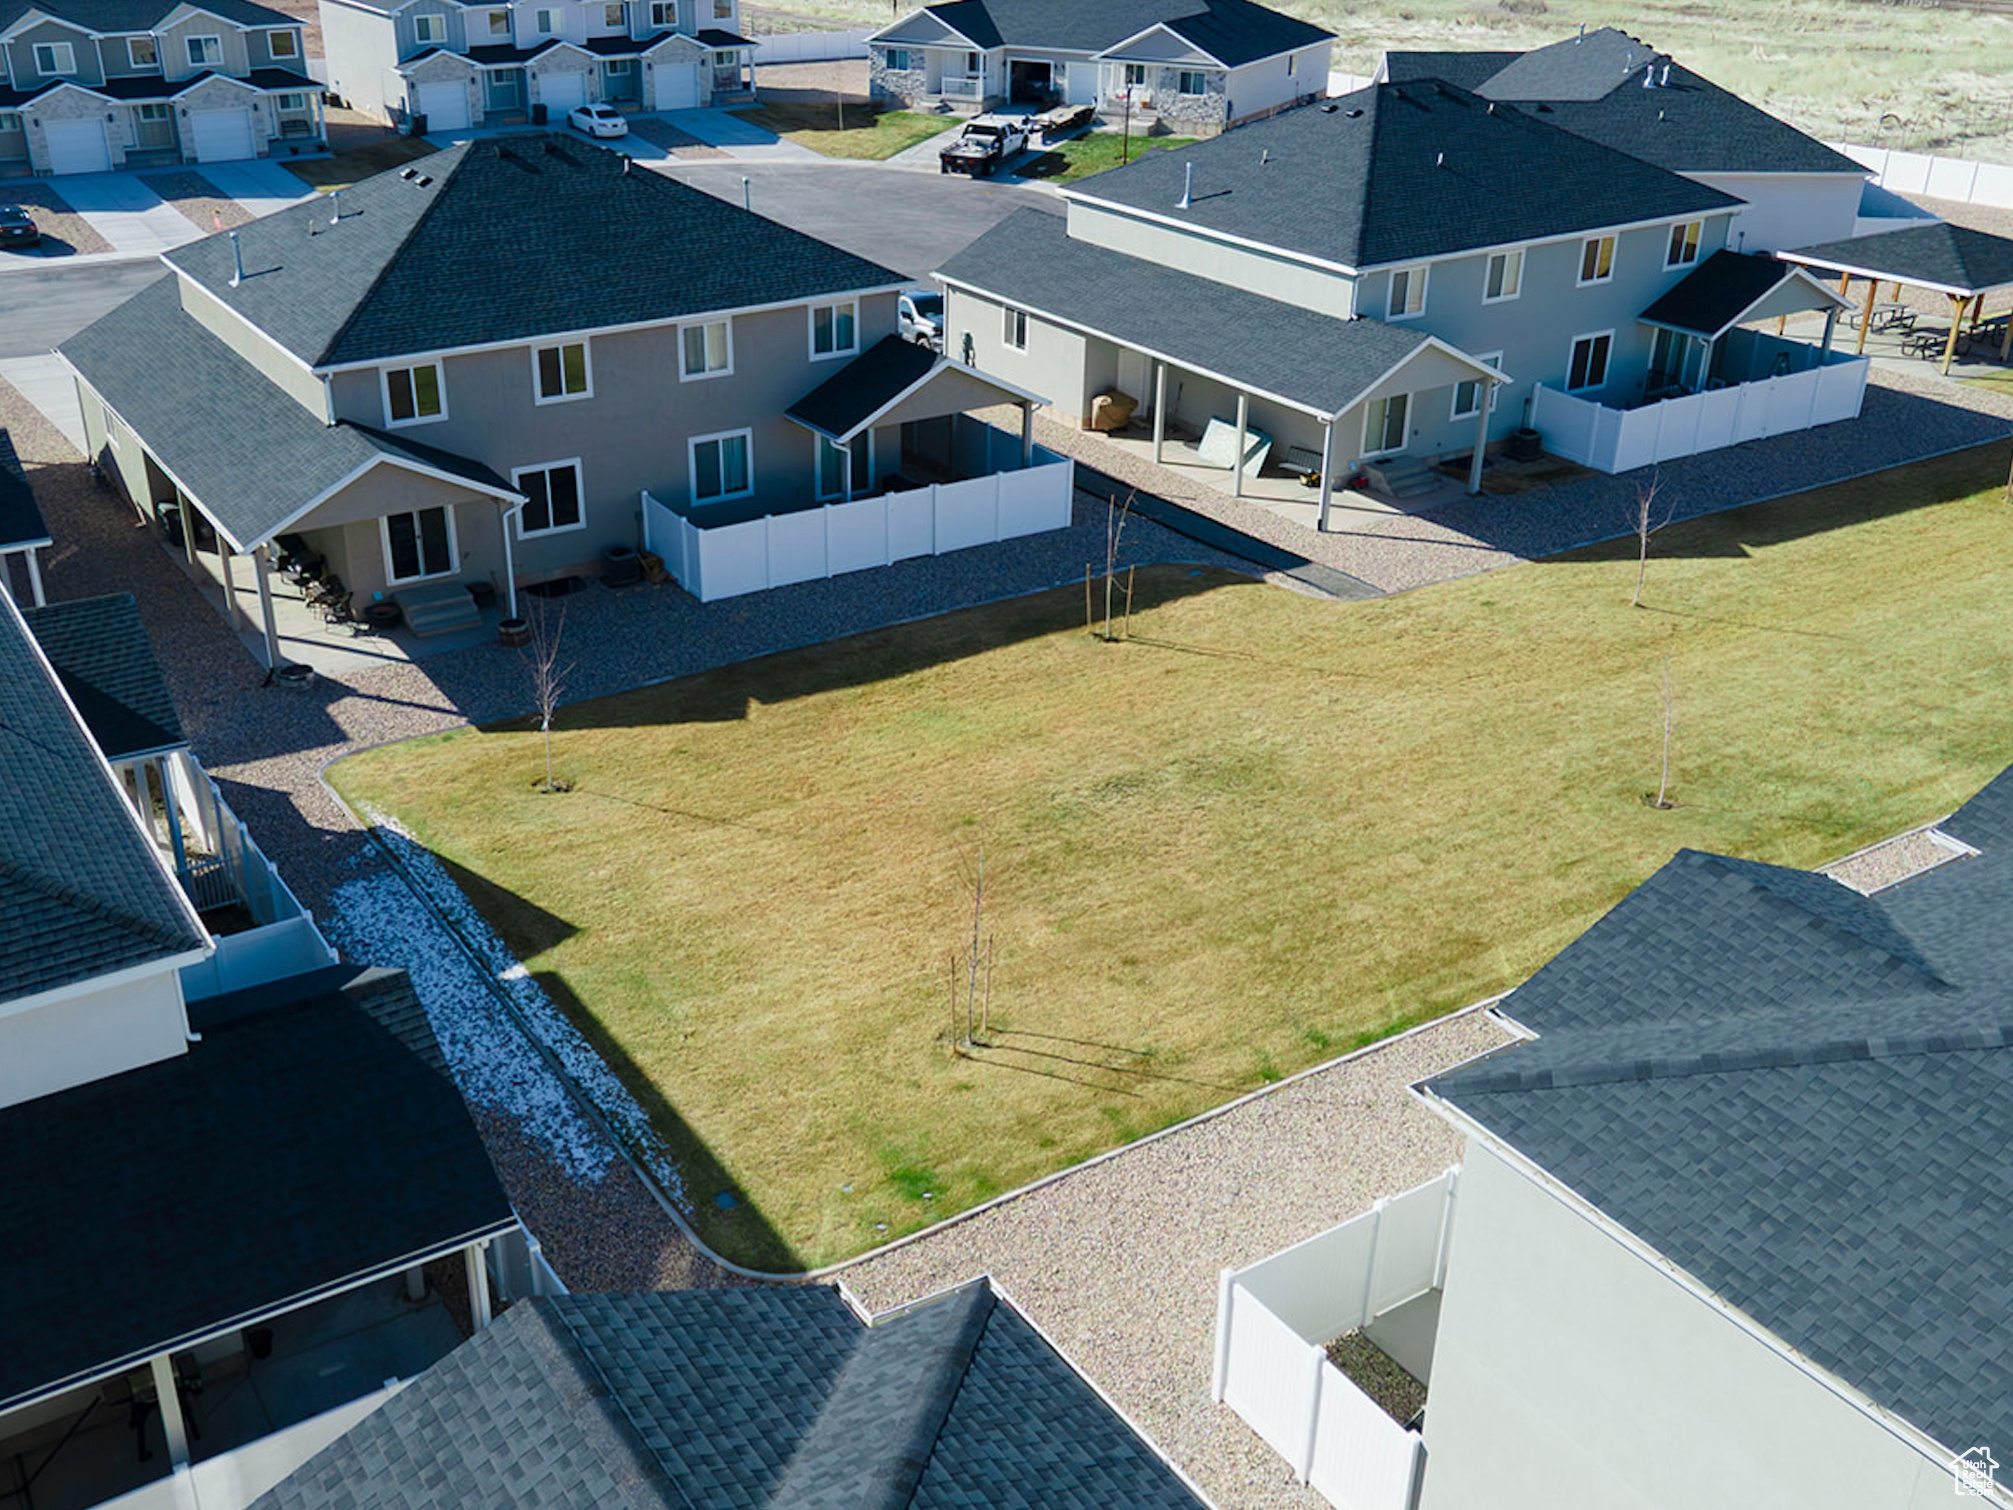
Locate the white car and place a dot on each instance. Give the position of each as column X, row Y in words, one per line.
column 920, row 317
column 598, row 120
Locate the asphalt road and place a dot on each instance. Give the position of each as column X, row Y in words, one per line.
column 909, row 221
column 41, row 307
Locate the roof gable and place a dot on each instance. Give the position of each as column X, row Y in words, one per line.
column 1232, row 32
column 127, row 17
column 1954, row 258
column 100, row 651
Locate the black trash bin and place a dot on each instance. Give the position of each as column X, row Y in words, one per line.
column 418, row 125
column 538, row 114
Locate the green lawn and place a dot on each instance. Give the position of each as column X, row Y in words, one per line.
column 864, row 134
column 1082, row 156
column 1265, row 830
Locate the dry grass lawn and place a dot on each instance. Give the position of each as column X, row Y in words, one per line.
column 1264, row 831
column 853, row 129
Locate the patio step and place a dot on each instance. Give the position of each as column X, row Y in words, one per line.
column 438, row 610
column 1403, row 477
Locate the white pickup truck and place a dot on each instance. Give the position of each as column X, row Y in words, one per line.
column 986, row 145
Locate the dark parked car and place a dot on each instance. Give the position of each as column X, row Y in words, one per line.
column 17, row 227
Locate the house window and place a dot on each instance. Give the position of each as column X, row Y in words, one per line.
column 1193, row 81
column 1135, row 76
column 971, row 63
column 1384, row 424
column 1683, row 250
column 708, row 350
column 419, row 544
column 552, row 498
column 663, row 13
column 55, row 58
column 612, row 15
column 720, row 468
column 412, row 395
column 1505, row 277
column 1589, row 367
column 499, row 23
column 561, row 372
column 282, row 44
column 155, row 111
column 294, row 103
column 429, row 28
column 1014, row 331
column 205, row 52
column 1468, row 394
column 723, row 10
column 548, row 22
column 833, row 462
column 1408, row 293
column 141, row 52
column 618, row 68
column 896, row 60
column 834, row 330
column 1597, row 259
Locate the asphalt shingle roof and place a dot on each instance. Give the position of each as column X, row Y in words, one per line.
column 303, row 1142
column 1716, row 293
column 1803, row 1097
column 756, row 1399
column 1936, row 255
column 1316, row 361
column 580, row 234
column 100, row 651
column 890, row 367
column 169, row 378
column 119, row 16
column 1232, row 31
column 21, row 520
column 1399, row 172
column 85, row 893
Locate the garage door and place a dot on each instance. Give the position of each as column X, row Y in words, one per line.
column 678, row 86
column 561, row 92
column 77, row 147
column 445, row 106
column 222, row 136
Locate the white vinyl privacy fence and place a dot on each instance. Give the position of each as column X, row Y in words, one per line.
column 1620, row 440
column 810, row 46
column 726, row 560
column 1955, row 178
column 1274, row 1319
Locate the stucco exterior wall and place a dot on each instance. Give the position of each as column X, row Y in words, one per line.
column 21, row 56
column 1055, row 363
column 174, row 43
column 1276, row 277
column 299, row 384
column 1272, row 84
column 78, row 1039
column 360, row 48
column 1789, row 209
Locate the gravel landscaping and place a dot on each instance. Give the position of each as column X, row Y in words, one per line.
column 206, row 207
column 1397, row 1393
column 65, row 233
column 1892, row 861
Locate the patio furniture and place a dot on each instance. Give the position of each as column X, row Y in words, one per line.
column 326, row 589
column 381, row 616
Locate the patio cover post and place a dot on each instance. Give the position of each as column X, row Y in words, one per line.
column 35, row 569
column 478, row 1284
column 1481, row 438
column 1830, row 328
column 174, row 813
column 1026, row 434
column 173, row 1427
column 1327, row 479
column 1159, row 409
column 2005, row 349
column 266, row 609
column 503, row 514
column 188, row 518
column 1866, row 317
column 846, row 487
column 1957, row 303
column 232, row 612
column 1243, row 443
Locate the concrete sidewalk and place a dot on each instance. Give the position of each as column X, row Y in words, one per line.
column 46, row 383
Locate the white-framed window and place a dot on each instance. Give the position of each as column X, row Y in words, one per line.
column 430, row 27
column 206, row 52
column 499, row 23
column 419, row 545
column 1192, row 81
column 561, row 372
column 547, row 22
column 619, row 68
column 706, row 350
column 614, row 15
column 552, row 498
column 9, row 121
column 1384, row 421
column 142, row 53
column 1013, row 328
column 971, row 63
column 282, row 44
column 55, row 58
column 1468, row 392
column 1135, row 76
column 1504, row 278
column 158, row 110
column 293, row 103
column 1408, row 293
column 414, row 395
column 663, row 12
column 1683, row 248
column 835, row 330
column 834, row 460
column 723, row 10
column 722, row 466
column 1597, row 259
column 896, row 59
column 1589, row 365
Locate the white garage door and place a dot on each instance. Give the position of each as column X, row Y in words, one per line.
column 561, row 92
column 77, row 147
column 222, row 136
column 445, row 106
column 678, row 86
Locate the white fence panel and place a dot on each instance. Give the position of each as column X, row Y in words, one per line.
column 256, row 956
column 1841, row 390
column 810, row 46
column 1410, row 1238
column 734, row 559
column 1717, row 410
column 1677, row 426
column 912, row 524
column 1031, row 501
column 1906, row 172
column 1939, row 177
column 857, row 535
column 1318, row 1287
column 1993, row 186
column 1567, row 423
column 1950, row 178
column 1362, row 1458
column 1272, row 1379
column 796, row 547
column 967, row 513
column 1629, row 439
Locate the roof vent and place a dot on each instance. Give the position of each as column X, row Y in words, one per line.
column 1331, row 109
column 335, row 205
column 1439, row 159
column 1650, row 77
column 1265, row 158
column 1187, row 189
column 1582, row 36
column 424, row 181
column 1665, row 81
column 409, row 174
column 1353, row 114
column 237, row 261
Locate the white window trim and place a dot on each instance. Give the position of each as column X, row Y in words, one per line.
column 1613, row 258
column 864, row 438
column 57, row 50
column 714, row 372
column 384, row 391
column 1573, row 345
column 517, row 475
column 1697, row 248
column 1191, row 94
column 692, row 446
column 888, row 56
column 419, row 28
column 1494, row 257
column 587, row 361
column 293, row 41
column 135, row 63
column 1370, row 455
column 189, row 48
column 453, row 547
column 1008, row 313
column 1455, row 411
column 538, row 21
column 1423, row 271
column 489, row 18
column 664, row 13
column 811, row 330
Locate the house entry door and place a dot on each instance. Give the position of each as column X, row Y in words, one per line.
column 418, row 545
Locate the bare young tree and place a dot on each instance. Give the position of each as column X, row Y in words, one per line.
column 1662, row 799
column 1647, row 524
column 547, row 672
column 1115, row 515
column 976, row 1008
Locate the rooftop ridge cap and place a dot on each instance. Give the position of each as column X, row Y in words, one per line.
column 59, row 890
column 558, row 1316
column 446, row 180
column 1915, row 961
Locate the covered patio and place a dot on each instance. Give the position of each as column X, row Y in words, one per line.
column 1702, row 324
column 1956, row 263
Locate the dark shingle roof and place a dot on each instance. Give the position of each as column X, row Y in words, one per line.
column 1468, row 70
column 100, row 651
column 1316, row 361
column 85, row 892
column 1232, row 31
column 1398, row 172
column 738, row 1399
column 300, row 1144
column 1717, row 293
column 1804, row 1097
column 169, row 378
column 116, row 16
column 864, row 385
column 573, row 225
column 1937, row 255
column 20, row 518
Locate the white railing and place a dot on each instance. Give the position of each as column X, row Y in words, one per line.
column 1274, row 1319
column 258, row 955
column 730, row 559
column 1620, row 440
column 810, row 46
column 517, row 1261
column 961, row 89
column 1955, row 178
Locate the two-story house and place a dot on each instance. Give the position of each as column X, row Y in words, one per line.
column 511, row 61
column 1195, row 67
column 91, row 85
column 1393, row 274
column 479, row 370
